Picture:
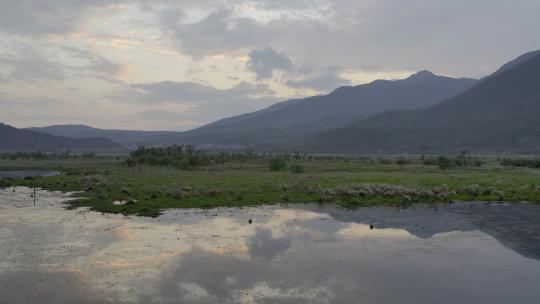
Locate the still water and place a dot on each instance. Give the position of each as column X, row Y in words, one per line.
column 460, row 253
column 23, row 174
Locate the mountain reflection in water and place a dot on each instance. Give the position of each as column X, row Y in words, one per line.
column 289, row 254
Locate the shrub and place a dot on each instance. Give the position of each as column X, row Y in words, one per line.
column 130, row 163
column 445, row 162
column 402, row 161
column 277, row 164
column 431, row 161
column 385, row 161
column 89, row 155
column 297, row 168
column 462, row 160
column 521, row 162
column 183, row 157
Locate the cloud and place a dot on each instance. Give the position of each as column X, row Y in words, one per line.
column 191, row 92
column 194, row 102
column 96, row 63
column 220, row 31
column 394, row 35
column 289, row 5
column 30, row 66
column 37, row 17
column 158, row 115
column 38, row 64
column 325, row 79
column 263, row 62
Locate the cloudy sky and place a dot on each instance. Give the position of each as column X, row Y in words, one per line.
column 175, row 65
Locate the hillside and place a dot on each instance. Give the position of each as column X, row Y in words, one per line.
column 500, row 114
column 283, row 123
column 13, row 139
column 126, row 137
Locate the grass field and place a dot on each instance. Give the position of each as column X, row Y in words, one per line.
column 352, row 182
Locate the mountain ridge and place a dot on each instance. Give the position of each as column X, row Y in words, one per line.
column 129, row 138
column 499, row 114
column 14, row 139
column 293, row 119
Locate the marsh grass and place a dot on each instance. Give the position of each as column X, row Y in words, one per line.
column 352, row 182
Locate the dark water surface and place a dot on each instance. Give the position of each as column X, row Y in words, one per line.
column 460, row 253
column 23, row 174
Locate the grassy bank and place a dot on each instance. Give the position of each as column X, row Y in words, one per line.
column 347, row 181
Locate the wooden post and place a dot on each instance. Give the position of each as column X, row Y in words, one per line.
column 34, row 196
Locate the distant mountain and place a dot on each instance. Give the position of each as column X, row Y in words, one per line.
column 13, row 139
column 512, row 64
column 126, row 137
column 285, row 122
column 499, row 114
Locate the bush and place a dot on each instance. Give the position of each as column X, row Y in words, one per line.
column 462, row 160
column 430, row 161
column 186, row 157
column 521, row 162
column 130, row 163
column 297, row 168
column 277, row 164
column 89, row 155
column 385, row 161
column 445, row 162
column 402, row 161
column 183, row 157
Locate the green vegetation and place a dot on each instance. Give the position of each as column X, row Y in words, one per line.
column 297, row 168
column 182, row 157
column 446, row 162
column 521, row 162
column 43, row 156
column 249, row 179
column 277, row 163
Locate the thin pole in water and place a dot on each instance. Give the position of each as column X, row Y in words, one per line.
column 34, row 196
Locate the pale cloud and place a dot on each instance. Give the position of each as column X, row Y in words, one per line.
column 265, row 61
column 220, row 31
column 157, row 115
column 391, row 34
column 189, row 101
column 190, row 92
column 30, row 66
column 324, row 79
column 37, row 17
column 322, row 83
column 38, row 64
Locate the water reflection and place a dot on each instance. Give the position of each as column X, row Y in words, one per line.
column 293, row 254
column 262, row 244
column 514, row 225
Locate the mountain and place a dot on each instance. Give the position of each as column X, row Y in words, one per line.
column 285, row 122
column 126, row 137
column 512, row 64
column 499, row 114
column 13, row 139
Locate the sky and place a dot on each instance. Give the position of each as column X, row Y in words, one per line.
column 177, row 65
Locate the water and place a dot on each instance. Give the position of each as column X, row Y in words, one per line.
column 460, row 253
column 23, row 174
